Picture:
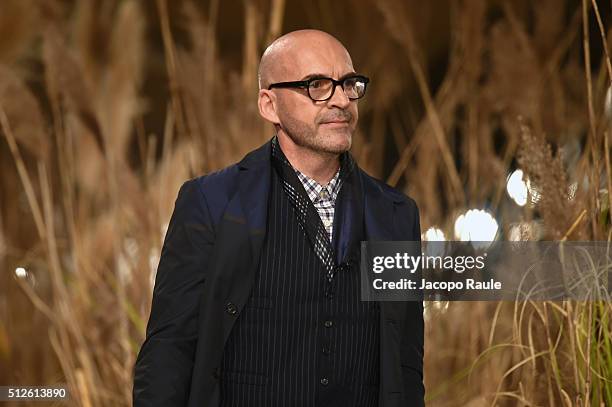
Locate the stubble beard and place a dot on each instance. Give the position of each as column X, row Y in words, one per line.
column 308, row 137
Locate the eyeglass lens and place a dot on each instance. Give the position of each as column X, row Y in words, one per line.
column 321, row 89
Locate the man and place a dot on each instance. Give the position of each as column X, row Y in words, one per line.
column 257, row 296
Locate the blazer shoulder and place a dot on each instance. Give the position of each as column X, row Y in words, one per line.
column 406, row 224
column 218, row 182
column 393, row 193
column 216, row 188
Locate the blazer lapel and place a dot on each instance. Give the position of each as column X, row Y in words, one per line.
column 253, row 192
column 349, row 210
column 242, row 230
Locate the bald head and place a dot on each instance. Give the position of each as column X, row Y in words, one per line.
column 309, row 128
column 281, row 60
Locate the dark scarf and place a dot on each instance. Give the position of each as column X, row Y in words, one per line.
column 307, row 215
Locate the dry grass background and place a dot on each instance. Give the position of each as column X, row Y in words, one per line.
column 107, row 106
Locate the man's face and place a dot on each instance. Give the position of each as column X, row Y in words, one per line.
column 323, row 126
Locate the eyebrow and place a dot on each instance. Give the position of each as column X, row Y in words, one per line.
column 320, row 75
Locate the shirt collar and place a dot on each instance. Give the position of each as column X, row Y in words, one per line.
column 317, row 192
column 347, row 165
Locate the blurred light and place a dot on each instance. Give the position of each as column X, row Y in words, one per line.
column 434, row 235
column 476, row 225
column 21, row 272
column 516, row 187
column 520, row 189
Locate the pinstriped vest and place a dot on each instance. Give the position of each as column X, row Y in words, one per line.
column 293, row 345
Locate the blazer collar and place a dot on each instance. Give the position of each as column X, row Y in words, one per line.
column 254, row 187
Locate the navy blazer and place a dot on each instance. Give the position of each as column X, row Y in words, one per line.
column 206, row 271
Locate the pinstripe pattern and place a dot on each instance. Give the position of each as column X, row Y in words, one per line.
column 307, row 215
column 290, row 335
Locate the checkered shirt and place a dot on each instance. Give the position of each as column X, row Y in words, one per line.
column 323, row 197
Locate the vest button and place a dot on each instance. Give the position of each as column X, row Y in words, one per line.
column 325, row 350
column 324, row 381
column 231, row 308
column 328, row 324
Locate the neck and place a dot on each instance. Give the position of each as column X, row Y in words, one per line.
column 318, row 165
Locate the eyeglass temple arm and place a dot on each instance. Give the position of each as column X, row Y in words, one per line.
column 294, row 84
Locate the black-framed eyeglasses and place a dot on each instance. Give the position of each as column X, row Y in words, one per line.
column 323, row 88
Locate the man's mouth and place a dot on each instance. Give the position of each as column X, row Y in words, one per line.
column 336, row 125
column 336, row 122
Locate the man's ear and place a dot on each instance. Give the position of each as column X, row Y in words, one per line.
column 267, row 106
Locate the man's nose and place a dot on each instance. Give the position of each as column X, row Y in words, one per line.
column 339, row 98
